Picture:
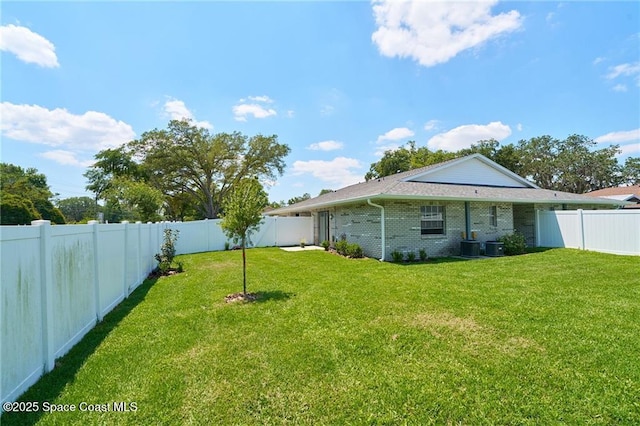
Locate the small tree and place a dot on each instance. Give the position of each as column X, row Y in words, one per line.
column 167, row 251
column 243, row 215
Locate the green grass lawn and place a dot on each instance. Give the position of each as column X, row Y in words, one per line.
column 545, row 338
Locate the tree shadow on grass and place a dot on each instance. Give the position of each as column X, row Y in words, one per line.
column 276, row 295
column 50, row 386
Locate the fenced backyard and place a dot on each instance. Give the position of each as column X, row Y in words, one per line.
column 550, row 337
column 57, row 282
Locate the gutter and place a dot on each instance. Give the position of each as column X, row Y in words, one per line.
column 383, row 243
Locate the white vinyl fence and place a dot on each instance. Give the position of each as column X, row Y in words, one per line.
column 57, row 282
column 607, row 231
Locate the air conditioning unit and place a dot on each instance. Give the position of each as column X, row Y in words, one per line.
column 469, row 248
column 494, row 248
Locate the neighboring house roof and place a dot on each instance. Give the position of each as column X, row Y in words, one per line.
column 470, row 178
column 621, row 193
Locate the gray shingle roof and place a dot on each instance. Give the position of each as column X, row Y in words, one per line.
column 398, row 187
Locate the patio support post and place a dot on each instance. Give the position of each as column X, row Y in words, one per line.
column 382, row 227
column 467, row 220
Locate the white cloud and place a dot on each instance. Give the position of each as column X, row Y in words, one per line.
column 624, row 70
column 621, row 136
column 177, row 110
column 619, row 88
column 326, row 110
column 244, row 109
column 519, row 127
column 291, row 113
column 630, row 149
column 28, row 46
column 434, row 32
column 326, row 146
column 597, row 60
column 431, row 125
column 396, row 134
column 66, row 158
column 264, row 99
column 463, row 136
column 91, row 131
column 339, row 171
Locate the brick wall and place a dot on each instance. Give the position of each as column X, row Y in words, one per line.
column 360, row 223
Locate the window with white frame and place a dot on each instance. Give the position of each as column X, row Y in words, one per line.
column 493, row 216
column 432, row 221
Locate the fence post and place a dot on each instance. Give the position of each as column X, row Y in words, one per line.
column 125, row 286
column 581, row 228
column 139, row 273
column 46, row 274
column 96, row 270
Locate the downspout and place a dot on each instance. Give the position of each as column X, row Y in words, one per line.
column 382, row 234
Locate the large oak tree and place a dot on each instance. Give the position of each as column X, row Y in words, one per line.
column 187, row 159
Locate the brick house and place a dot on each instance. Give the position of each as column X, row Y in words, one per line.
column 435, row 207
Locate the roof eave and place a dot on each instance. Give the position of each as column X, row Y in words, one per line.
column 318, row 206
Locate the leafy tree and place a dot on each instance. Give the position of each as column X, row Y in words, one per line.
column 111, row 164
column 571, row 165
column 77, row 209
column 15, row 210
column 631, row 171
column 392, row 162
column 303, row 197
column 277, row 204
column 31, row 186
column 507, row 156
column 243, row 215
column 180, row 206
column 140, row 200
column 406, row 158
column 325, row 191
column 185, row 158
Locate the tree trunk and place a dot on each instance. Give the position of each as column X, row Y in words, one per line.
column 244, row 270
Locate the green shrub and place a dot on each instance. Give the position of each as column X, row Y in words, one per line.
column 411, row 256
column 514, row 244
column 341, row 247
column 15, row 210
column 167, row 250
column 326, row 245
column 423, row 254
column 354, row 250
column 397, row 256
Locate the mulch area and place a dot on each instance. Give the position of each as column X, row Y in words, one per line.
column 241, row 297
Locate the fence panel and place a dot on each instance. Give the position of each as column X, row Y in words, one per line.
column 21, row 348
column 290, row 230
column 111, row 266
column 73, row 307
column 616, row 232
column 607, row 231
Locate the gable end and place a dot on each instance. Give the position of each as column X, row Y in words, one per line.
column 473, row 171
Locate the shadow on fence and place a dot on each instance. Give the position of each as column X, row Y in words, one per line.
column 50, row 386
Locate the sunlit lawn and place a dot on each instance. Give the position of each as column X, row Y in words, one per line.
column 544, row 338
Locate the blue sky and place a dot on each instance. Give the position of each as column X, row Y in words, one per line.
column 339, row 82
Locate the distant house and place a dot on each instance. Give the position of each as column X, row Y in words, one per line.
column 620, row 193
column 435, row 208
